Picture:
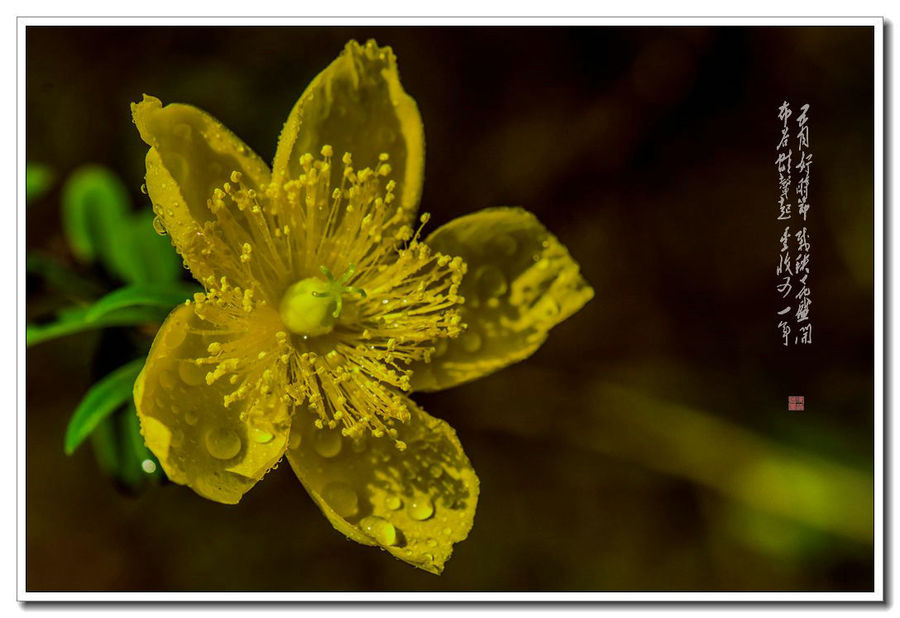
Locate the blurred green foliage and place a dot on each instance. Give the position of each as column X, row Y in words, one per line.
column 38, row 180
column 102, row 232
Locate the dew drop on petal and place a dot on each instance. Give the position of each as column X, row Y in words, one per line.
column 261, row 436
column 182, row 131
column 504, row 244
column 223, row 443
column 435, row 471
column 447, row 531
column 431, row 543
column 471, row 341
column 190, row 417
column 175, row 336
column 421, row 508
column 393, row 502
column 342, row 498
column 294, row 440
column 327, row 443
column 148, row 466
column 159, row 227
column 166, row 380
column 490, row 282
column 382, row 531
column 191, row 373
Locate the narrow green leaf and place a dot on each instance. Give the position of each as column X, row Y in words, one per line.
column 103, row 441
column 134, row 296
column 146, row 257
column 75, row 321
column 38, row 180
column 94, row 208
column 101, row 400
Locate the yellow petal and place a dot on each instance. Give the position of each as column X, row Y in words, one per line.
column 357, row 105
column 198, row 441
column 191, row 155
column 414, row 503
column 521, row 281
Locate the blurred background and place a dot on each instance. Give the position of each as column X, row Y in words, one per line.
column 648, row 445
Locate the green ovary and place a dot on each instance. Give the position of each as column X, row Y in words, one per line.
column 311, row 306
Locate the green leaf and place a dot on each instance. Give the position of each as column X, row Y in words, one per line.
column 103, row 441
column 147, row 257
column 101, row 400
column 94, row 208
column 75, row 321
column 38, row 180
column 134, row 296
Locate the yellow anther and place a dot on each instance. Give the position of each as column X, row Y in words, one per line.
column 236, row 176
column 327, row 151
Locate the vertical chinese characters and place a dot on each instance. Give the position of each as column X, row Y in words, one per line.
column 793, row 270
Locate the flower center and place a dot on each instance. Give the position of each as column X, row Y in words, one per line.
column 312, row 305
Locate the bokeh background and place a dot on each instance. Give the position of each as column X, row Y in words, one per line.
column 648, row 444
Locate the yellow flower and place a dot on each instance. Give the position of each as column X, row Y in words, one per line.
column 323, row 309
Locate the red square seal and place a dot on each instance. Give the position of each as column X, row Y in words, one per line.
column 795, row 402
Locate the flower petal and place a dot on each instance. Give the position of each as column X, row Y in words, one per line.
column 414, row 503
column 191, row 155
column 357, row 105
column 521, row 281
column 200, row 442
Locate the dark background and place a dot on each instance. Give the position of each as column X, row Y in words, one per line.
column 647, row 445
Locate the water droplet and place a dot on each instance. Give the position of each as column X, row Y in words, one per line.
column 223, row 443
column 190, row 417
column 382, row 531
column 447, row 531
column 471, row 341
column 191, row 373
column 295, row 440
column 490, row 282
column 166, row 380
column 148, row 466
column 342, row 498
column 421, row 508
column 431, row 543
column 159, row 227
column 144, row 189
column 393, row 502
column 440, row 349
column 435, row 471
column 182, row 131
column 327, row 443
column 261, row 436
column 177, row 438
column 504, row 244
column 175, row 334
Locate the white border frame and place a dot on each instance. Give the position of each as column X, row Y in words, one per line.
column 877, row 23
